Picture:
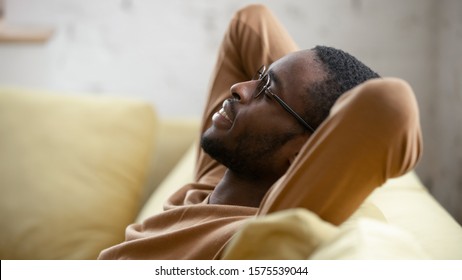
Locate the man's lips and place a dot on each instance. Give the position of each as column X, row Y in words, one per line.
column 223, row 113
column 227, row 110
column 225, row 116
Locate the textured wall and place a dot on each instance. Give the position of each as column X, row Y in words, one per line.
column 163, row 51
column 445, row 135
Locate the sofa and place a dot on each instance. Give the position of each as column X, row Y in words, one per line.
column 76, row 169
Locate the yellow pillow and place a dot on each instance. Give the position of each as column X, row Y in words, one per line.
column 291, row 234
column 300, row 234
column 72, row 170
column 369, row 239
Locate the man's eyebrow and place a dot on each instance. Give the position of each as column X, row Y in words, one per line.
column 274, row 77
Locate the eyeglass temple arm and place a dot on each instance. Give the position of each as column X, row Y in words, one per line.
column 302, row 121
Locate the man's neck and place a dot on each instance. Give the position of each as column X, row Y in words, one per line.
column 237, row 190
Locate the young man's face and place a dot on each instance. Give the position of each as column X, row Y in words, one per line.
column 256, row 137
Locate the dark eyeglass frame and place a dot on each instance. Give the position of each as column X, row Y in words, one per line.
column 261, row 73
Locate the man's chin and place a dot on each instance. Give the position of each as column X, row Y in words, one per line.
column 213, row 147
column 230, row 159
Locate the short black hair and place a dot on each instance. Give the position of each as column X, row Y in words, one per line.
column 343, row 72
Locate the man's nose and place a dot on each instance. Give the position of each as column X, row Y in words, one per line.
column 244, row 91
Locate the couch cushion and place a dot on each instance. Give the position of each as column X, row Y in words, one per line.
column 289, row 234
column 180, row 175
column 292, row 234
column 71, row 172
column 407, row 204
column 300, row 234
column 369, row 239
column 173, row 139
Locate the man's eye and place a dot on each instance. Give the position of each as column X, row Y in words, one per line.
column 262, row 83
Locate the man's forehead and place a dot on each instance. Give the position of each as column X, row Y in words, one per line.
column 299, row 65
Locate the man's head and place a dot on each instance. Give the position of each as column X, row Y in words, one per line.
column 256, row 136
column 343, row 72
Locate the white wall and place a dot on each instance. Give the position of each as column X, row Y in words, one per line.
column 163, row 51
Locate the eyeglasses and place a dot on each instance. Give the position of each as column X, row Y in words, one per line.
column 263, row 87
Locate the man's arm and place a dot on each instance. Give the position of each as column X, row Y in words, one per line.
column 372, row 134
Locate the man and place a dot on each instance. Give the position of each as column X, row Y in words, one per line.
column 282, row 140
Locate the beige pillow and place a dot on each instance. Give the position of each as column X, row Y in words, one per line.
column 71, row 172
column 289, row 235
column 300, row 234
column 295, row 234
column 368, row 239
